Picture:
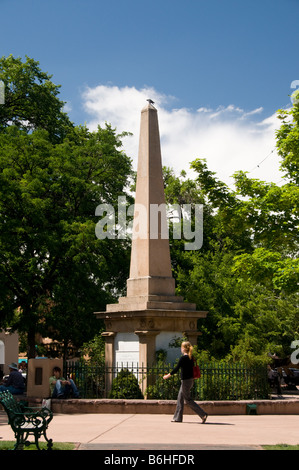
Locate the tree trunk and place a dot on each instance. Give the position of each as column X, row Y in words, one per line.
column 31, row 343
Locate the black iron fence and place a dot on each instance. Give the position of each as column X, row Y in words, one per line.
column 219, row 381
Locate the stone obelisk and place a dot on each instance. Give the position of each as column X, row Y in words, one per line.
column 150, row 270
column 150, row 314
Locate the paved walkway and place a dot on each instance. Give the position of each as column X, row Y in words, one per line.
column 157, row 432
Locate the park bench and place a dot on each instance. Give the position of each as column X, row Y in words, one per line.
column 26, row 421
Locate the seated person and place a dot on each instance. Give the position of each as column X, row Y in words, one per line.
column 274, row 379
column 61, row 388
column 15, row 382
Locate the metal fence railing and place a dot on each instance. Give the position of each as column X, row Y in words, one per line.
column 219, row 381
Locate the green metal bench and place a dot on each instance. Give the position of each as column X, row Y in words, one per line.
column 26, row 421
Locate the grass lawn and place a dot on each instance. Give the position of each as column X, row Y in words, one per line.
column 281, row 447
column 9, row 445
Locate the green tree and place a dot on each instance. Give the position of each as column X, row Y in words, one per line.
column 288, row 142
column 247, row 274
column 54, row 272
column 31, row 99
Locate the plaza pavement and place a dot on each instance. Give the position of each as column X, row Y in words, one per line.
column 157, row 432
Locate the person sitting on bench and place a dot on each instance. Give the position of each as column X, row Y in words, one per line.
column 15, row 382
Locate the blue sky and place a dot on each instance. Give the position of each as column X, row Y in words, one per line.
column 217, row 70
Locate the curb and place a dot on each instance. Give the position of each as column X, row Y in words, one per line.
column 241, row 407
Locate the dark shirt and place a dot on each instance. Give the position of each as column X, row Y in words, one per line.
column 15, row 379
column 186, row 366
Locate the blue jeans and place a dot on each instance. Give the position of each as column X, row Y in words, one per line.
column 63, row 391
column 12, row 390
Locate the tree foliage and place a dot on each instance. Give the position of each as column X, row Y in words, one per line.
column 31, row 99
column 54, row 272
column 247, row 273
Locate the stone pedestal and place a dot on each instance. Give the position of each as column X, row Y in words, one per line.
column 147, row 325
column 39, row 373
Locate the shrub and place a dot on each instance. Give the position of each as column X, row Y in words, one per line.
column 125, row 385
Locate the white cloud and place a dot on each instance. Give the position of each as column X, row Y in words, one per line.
column 230, row 138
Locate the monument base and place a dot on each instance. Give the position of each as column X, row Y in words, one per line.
column 149, row 325
column 133, row 337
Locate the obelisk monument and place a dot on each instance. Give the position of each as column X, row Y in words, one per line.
column 151, row 314
column 150, row 270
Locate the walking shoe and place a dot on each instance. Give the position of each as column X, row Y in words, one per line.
column 204, row 419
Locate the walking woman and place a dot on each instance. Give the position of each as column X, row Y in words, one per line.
column 186, row 363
